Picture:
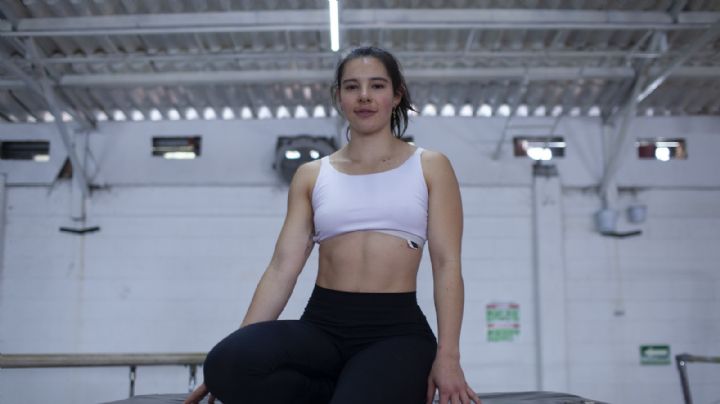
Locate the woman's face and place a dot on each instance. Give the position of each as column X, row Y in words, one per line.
column 366, row 95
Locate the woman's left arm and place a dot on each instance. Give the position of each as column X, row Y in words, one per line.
column 445, row 223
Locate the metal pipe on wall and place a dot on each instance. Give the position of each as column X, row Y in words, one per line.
column 3, row 209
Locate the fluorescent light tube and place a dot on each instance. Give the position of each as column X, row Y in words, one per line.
column 334, row 26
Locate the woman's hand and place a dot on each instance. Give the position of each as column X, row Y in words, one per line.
column 448, row 378
column 196, row 396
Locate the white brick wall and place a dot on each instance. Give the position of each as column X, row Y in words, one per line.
column 173, row 269
column 175, row 263
column 667, row 281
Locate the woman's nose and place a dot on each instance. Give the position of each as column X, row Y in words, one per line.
column 364, row 94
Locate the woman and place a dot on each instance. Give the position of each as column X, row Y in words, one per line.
column 370, row 206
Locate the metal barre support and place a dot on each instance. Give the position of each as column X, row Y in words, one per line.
column 193, row 378
column 682, row 368
column 682, row 360
column 133, row 373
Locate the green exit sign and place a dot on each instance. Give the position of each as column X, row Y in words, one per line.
column 654, row 354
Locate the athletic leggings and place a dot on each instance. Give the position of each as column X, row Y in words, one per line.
column 346, row 348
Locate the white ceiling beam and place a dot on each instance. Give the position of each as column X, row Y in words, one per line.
column 294, row 56
column 292, row 75
column 9, row 84
column 415, row 75
column 236, row 21
column 195, row 77
column 272, row 76
column 395, row 19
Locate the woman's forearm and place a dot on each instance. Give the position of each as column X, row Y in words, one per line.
column 449, row 300
column 271, row 296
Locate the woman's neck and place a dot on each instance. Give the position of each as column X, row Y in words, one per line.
column 372, row 149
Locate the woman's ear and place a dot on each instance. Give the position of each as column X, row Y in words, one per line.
column 336, row 100
column 397, row 98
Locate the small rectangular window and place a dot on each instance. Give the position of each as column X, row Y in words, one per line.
column 176, row 147
column 661, row 149
column 25, row 150
column 539, row 147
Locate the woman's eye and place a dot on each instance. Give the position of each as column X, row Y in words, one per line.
column 350, row 87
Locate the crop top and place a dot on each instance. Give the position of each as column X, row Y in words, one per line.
column 393, row 201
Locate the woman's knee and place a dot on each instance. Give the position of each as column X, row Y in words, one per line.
column 237, row 364
column 258, row 349
column 240, row 351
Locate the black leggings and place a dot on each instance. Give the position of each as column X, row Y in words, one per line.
column 346, row 348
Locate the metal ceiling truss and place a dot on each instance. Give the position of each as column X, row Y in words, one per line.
column 710, row 34
column 136, row 59
column 44, row 88
column 644, row 85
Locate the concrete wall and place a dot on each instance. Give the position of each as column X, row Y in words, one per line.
column 183, row 243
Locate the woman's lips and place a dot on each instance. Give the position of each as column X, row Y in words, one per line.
column 364, row 113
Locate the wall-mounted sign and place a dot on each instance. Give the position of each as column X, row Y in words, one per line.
column 503, row 321
column 654, row 354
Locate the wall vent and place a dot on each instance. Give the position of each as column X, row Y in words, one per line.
column 25, row 150
column 176, row 147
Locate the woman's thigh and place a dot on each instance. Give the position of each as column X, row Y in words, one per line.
column 394, row 370
column 252, row 360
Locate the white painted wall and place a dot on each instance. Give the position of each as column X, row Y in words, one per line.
column 667, row 283
column 182, row 244
column 241, row 152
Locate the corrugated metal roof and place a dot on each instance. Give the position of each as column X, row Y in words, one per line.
column 215, row 59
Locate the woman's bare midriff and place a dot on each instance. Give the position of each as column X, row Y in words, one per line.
column 367, row 261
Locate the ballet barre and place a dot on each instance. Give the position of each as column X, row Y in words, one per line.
column 131, row 360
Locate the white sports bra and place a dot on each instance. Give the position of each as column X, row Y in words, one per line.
column 393, row 202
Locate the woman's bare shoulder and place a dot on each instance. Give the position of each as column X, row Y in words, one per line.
column 433, row 156
column 309, row 169
column 435, row 163
column 307, row 174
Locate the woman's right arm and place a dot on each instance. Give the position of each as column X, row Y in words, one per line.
column 293, row 246
column 291, row 252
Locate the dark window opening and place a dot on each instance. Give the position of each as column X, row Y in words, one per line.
column 539, row 147
column 25, row 150
column 177, row 147
column 662, row 149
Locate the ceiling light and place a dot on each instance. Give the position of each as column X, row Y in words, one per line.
column 334, row 25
